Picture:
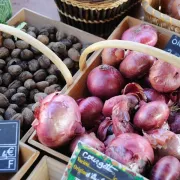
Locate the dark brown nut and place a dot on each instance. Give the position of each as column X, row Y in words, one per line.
column 26, row 54
column 28, row 117
column 15, row 53
column 69, row 63
column 14, row 106
column 1, row 72
column 74, row 39
column 53, row 88
column 51, row 29
column 6, row 35
column 44, row 31
column 74, row 54
column 39, row 97
column 1, row 80
column 9, row 93
column 34, row 50
column 2, row 111
column 33, row 65
column 9, row 43
column 15, row 84
column 33, row 29
column 25, row 75
column 19, row 99
column 22, row 44
column 3, row 89
column 50, row 45
column 4, row 102
column 8, row 59
column 44, row 61
column 52, row 70
column 42, row 85
column 40, row 75
column 15, row 70
column 4, row 52
column 52, row 79
column 35, row 106
column 22, row 89
column 44, row 39
column 19, row 117
column 67, row 43
column 31, row 33
column 59, row 47
column 14, row 61
column 29, row 84
column 77, row 46
column 9, row 113
column 60, row 35
column 30, row 106
column 24, row 65
column 52, row 37
column 2, row 63
column 32, row 94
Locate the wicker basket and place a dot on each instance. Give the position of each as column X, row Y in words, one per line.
column 98, row 18
column 154, row 16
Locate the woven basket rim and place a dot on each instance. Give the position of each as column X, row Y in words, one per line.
column 97, row 21
column 104, row 5
column 164, row 17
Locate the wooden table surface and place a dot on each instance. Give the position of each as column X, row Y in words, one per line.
column 45, row 7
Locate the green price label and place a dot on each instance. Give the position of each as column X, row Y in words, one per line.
column 5, row 10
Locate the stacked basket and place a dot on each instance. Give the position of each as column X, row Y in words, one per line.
column 97, row 17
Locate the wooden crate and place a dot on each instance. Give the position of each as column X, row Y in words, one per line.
column 27, row 156
column 47, row 169
column 78, row 89
column 40, row 21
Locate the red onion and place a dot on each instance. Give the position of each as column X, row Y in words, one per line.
column 136, row 65
column 89, row 139
column 175, row 123
column 91, row 109
column 112, row 56
column 167, row 168
column 79, row 100
column 131, row 150
column 175, row 96
column 142, row 33
column 151, row 115
column 58, row 120
column 164, row 77
column 105, row 82
column 109, row 139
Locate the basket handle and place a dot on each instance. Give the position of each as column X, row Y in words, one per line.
column 42, row 48
column 153, row 3
column 160, row 54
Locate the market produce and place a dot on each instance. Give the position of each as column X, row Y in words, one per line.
column 174, row 122
column 131, row 150
column 166, row 168
column 89, row 139
column 58, row 120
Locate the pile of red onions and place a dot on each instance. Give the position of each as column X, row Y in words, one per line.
column 134, row 122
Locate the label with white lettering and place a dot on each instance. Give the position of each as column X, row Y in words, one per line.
column 88, row 163
column 9, row 145
column 173, row 46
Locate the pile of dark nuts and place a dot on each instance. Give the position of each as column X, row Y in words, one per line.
column 27, row 76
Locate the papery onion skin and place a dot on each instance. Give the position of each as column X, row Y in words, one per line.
column 131, row 150
column 142, row 33
column 90, row 109
column 151, row 115
column 89, row 139
column 112, row 56
column 58, row 120
column 167, row 168
column 136, row 65
column 105, row 82
column 164, row 77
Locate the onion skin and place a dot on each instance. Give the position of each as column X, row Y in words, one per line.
column 151, row 115
column 175, row 124
column 131, row 150
column 112, row 56
column 167, row 168
column 105, row 82
column 90, row 109
column 164, row 77
column 143, row 33
column 58, row 120
column 89, row 139
column 136, row 65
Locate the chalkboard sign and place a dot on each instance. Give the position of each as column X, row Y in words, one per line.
column 90, row 164
column 9, row 146
column 173, row 46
